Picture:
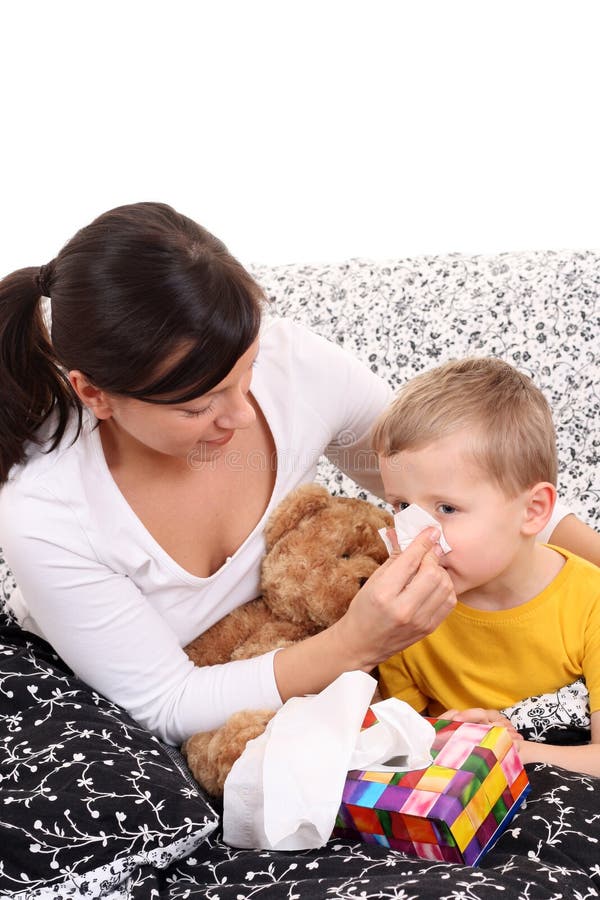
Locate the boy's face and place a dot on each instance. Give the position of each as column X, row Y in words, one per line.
column 480, row 523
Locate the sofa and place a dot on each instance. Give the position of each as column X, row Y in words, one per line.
column 92, row 805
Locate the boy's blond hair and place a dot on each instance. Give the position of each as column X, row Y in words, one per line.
column 513, row 439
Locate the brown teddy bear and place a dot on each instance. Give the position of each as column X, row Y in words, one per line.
column 320, row 550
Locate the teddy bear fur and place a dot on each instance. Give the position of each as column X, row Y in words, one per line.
column 320, row 550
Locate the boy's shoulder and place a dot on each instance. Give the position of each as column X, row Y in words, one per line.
column 577, row 569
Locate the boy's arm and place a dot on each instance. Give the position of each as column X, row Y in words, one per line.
column 574, row 535
column 584, row 758
column 481, row 717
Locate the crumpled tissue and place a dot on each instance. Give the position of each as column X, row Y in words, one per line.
column 284, row 791
column 410, row 522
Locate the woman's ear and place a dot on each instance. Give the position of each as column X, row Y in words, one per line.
column 95, row 399
column 538, row 508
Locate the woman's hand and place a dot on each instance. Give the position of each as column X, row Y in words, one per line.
column 403, row 601
column 482, row 717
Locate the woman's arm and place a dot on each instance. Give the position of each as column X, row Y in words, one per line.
column 574, row 535
column 402, row 602
column 584, row 758
column 359, row 461
column 110, row 634
column 346, row 397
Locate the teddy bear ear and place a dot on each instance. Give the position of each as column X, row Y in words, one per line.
column 302, row 503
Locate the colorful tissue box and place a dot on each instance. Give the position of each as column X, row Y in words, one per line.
column 454, row 810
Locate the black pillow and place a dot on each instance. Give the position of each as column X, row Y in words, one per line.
column 86, row 794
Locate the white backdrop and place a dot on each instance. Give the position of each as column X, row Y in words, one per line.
column 304, row 131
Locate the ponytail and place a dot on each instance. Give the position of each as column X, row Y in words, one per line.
column 32, row 384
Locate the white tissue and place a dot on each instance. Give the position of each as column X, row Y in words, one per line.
column 400, row 740
column 410, row 522
column 284, row 792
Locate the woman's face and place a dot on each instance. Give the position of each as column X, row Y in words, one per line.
column 200, row 427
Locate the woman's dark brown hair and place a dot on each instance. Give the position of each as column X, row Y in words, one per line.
column 140, row 286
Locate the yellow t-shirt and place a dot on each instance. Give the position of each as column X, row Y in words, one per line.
column 494, row 659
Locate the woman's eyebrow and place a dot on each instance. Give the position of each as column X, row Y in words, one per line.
column 214, row 392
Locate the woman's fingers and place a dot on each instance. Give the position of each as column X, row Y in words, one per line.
column 427, row 599
column 393, row 539
column 441, row 599
column 405, row 599
column 406, row 562
column 410, row 594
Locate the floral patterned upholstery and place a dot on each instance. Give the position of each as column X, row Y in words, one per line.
column 539, row 311
column 64, row 825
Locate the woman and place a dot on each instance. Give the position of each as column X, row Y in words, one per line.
column 142, row 449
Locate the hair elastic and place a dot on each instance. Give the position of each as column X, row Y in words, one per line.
column 44, row 278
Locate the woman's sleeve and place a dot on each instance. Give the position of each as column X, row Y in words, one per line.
column 348, row 397
column 558, row 514
column 100, row 624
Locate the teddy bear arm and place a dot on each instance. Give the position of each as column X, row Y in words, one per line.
column 218, row 643
column 272, row 635
column 211, row 754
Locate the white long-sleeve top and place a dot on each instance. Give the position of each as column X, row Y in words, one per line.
column 115, row 606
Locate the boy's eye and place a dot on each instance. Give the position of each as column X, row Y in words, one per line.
column 446, row 509
column 399, row 505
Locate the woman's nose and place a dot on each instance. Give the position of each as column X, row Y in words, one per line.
column 238, row 414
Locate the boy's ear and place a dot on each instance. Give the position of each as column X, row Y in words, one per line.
column 539, row 504
column 92, row 397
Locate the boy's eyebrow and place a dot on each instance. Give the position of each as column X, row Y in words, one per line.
column 392, row 498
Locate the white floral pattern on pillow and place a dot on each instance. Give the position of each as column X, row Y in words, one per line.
column 539, row 311
column 555, row 717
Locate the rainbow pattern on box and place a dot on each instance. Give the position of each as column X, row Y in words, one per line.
column 454, row 810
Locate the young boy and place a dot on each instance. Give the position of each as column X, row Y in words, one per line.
column 472, row 442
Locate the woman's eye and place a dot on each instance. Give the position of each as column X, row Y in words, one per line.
column 194, row 413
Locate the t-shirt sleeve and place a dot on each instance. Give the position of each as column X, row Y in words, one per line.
column 101, row 625
column 591, row 658
column 395, row 681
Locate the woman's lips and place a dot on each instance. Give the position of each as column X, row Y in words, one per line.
column 219, row 442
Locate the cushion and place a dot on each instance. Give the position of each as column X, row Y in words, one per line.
column 7, row 586
column 87, row 794
column 537, row 310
